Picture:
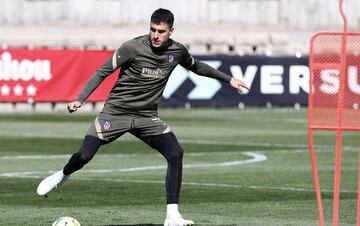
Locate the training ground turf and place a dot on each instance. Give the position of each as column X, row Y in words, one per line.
column 241, row 167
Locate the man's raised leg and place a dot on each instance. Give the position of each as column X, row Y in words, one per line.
column 77, row 161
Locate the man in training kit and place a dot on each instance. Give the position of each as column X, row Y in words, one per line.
column 146, row 63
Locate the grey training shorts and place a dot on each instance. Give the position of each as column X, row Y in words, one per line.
column 109, row 127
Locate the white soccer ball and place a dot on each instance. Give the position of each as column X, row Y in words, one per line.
column 66, row 221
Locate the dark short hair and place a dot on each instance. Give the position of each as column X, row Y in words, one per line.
column 163, row 15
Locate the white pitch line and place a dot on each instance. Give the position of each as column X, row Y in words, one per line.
column 33, row 157
column 253, row 187
column 121, row 155
column 64, row 156
column 190, row 141
column 254, row 157
column 263, row 144
column 212, row 185
column 41, row 135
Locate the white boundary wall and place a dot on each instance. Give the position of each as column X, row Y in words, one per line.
column 293, row 14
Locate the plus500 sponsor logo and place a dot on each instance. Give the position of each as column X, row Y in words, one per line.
column 24, row 70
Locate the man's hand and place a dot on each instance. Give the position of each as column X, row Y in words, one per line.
column 73, row 106
column 239, row 85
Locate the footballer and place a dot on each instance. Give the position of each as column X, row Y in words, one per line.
column 146, row 63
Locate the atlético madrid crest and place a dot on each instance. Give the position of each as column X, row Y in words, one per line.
column 171, row 58
column 107, row 125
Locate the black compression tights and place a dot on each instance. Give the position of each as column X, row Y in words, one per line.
column 86, row 153
column 166, row 144
column 169, row 147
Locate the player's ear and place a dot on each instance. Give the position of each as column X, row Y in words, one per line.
column 171, row 30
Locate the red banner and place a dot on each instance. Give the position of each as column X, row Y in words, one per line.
column 41, row 75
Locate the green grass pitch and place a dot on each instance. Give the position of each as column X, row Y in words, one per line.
column 241, row 167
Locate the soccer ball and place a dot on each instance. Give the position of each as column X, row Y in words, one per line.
column 66, row 221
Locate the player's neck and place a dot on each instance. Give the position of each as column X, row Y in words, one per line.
column 163, row 47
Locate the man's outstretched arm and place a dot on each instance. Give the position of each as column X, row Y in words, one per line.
column 119, row 57
column 203, row 69
column 94, row 81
